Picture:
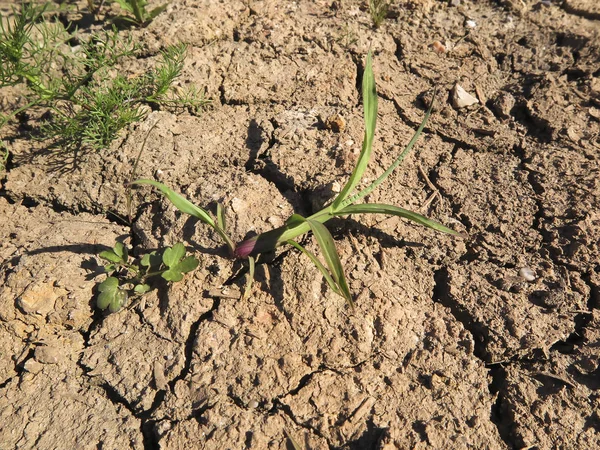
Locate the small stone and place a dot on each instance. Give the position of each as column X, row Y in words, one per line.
column 438, row 47
column 32, row 366
column 461, row 98
column 46, row 354
column 503, row 104
column 470, row 24
column 527, row 274
column 39, row 298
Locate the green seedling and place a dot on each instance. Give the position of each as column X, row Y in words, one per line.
column 29, row 44
column 344, row 204
column 378, row 10
column 187, row 207
column 137, row 12
column 107, row 106
column 219, row 225
column 130, row 277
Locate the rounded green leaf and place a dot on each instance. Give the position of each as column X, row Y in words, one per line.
column 141, row 288
column 110, row 255
column 172, row 275
column 120, row 250
column 110, row 295
column 187, row 264
column 173, row 255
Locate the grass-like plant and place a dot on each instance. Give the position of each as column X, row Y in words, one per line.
column 88, row 105
column 378, row 10
column 345, row 204
column 137, row 12
column 129, row 277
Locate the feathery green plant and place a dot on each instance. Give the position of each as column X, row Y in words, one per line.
column 101, row 108
column 88, row 104
column 378, row 10
column 343, row 205
column 129, row 277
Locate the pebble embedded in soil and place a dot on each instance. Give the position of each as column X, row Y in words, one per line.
column 461, row 98
column 438, row 47
column 527, row 274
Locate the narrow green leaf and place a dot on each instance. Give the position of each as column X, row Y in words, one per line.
column 319, row 265
column 141, row 288
column 327, row 245
column 376, row 208
column 173, row 255
column 295, row 444
column 110, row 255
column 156, row 11
column 180, row 202
column 250, row 278
column 221, row 217
column 187, row 264
column 125, row 5
column 172, row 275
column 369, row 94
column 294, row 220
column 366, row 191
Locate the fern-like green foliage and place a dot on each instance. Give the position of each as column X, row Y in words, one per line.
column 88, row 103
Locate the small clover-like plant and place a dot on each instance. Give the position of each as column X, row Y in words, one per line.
column 137, row 12
column 344, row 204
column 130, row 277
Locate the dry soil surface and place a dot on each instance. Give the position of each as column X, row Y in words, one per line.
column 491, row 341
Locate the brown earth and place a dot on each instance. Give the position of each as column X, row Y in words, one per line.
column 450, row 346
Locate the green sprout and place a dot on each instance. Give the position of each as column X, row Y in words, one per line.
column 129, row 277
column 343, row 205
column 138, row 14
column 378, row 10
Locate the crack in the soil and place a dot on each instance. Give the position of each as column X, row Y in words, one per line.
column 442, row 295
column 287, row 410
column 189, row 344
column 570, row 9
column 580, row 322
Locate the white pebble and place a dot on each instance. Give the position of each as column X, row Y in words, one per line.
column 527, row 274
column 470, row 24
